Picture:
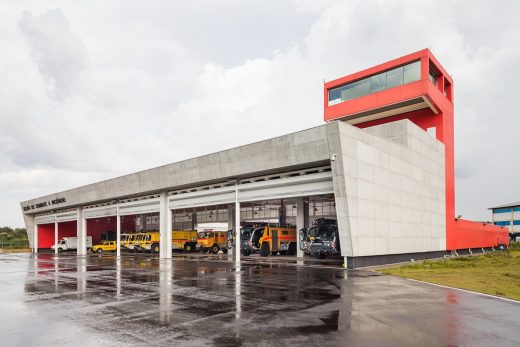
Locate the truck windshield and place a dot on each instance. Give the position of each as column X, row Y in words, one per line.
column 246, row 234
column 257, row 234
column 325, row 233
column 62, row 242
column 203, row 235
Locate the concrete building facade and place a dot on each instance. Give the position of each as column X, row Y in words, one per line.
column 507, row 216
column 387, row 174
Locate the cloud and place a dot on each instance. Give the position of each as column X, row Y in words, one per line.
column 92, row 91
column 59, row 53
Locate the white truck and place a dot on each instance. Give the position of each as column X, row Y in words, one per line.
column 71, row 243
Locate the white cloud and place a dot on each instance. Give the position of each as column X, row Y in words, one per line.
column 91, row 91
column 59, row 53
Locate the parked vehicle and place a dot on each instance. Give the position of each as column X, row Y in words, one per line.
column 245, row 234
column 270, row 240
column 212, row 241
column 106, row 246
column 108, row 236
column 305, row 241
column 147, row 242
column 70, row 243
column 185, row 240
column 136, row 240
column 324, row 238
column 126, row 239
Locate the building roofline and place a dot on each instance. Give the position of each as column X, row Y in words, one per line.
column 513, row 204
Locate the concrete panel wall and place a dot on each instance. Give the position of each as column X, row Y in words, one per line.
column 395, row 189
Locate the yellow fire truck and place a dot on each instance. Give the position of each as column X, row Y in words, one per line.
column 270, row 240
column 212, row 241
column 150, row 241
column 185, row 240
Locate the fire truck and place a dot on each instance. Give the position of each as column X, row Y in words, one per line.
column 270, row 240
column 212, row 237
column 323, row 238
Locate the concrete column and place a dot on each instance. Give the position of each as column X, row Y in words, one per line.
column 165, row 227
column 118, row 232
column 165, row 290
column 300, row 224
column 35, row 239
column 55, row 237
column 81, row 233
column 237, row 225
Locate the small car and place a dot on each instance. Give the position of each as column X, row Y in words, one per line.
column 106, row 246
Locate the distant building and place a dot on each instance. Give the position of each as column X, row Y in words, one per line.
column 507, row 216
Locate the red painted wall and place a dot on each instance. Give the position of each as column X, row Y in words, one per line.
column 128, row 224
column 471, row 234
column 67, row 229
column 45, row 235
column 97, row 226
column 458, row 234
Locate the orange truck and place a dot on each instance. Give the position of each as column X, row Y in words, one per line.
column 270, row 240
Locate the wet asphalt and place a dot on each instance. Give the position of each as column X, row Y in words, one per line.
column 205, row 300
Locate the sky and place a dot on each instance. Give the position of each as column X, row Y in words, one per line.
column 92, row 90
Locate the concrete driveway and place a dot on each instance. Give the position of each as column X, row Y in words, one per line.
column 207, row 300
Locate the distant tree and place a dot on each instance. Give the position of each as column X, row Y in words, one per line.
column 14, row 235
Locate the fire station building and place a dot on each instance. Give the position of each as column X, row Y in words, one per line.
column 382, row 165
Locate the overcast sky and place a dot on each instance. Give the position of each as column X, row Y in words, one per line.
column 95, row 89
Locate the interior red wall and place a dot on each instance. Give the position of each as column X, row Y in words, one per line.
column 128, row 224
column 97, row 226
column 67, row 229
column 45, row 235
column 476, row 235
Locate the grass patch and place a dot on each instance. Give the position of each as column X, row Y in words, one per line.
column 495, row 273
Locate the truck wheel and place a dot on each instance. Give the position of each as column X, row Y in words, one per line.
column 224, row 250
column 155, row 248
column 188, row 247
column 60, row 250
column 292, row 248
column 264, row 250
column 245, row 253
column 215, row 249
column 99, row 251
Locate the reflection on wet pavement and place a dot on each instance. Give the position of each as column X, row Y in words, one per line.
column 210, row 300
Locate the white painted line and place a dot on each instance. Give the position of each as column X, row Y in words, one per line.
column 460, row 289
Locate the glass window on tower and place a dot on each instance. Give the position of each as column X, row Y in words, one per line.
column 394, row 77
column 378, row 82
column 363, row 87
column 412, row 72
column 348, row 92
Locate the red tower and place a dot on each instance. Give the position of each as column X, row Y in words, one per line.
column 418, row 88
